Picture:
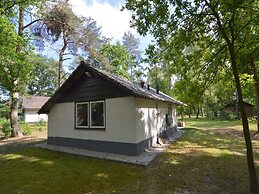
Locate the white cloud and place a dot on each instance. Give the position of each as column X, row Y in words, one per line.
column 113, row 21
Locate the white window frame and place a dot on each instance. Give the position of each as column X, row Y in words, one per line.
column 104, row 114
column 87, row 126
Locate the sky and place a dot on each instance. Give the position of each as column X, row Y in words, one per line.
column 107, row 14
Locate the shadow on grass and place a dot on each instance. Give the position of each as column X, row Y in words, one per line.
column 201, row 161
column 42, row 171
column 17, row 145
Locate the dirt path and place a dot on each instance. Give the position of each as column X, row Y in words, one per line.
column 16, row 143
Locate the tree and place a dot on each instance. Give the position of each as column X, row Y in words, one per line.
column 61, row 23
column 43, row 68
column 217, row 25
column 249, row 57
column 118, row 57
column 132, row 45
column 74, row 33
column 15, row 68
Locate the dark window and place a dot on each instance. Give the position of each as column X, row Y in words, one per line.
column 97, row 114
column 82, row 115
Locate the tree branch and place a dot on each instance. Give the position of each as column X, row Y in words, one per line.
column 31, row 23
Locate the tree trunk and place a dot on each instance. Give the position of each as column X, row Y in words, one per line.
column 60, row 60
column 14, row 119
column 256, row 86
column 14, row 115
column 202, row 114
column 237, row 107
column 207, row 108
column 197, row 113
column 254, row 188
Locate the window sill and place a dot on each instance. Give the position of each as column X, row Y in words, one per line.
column 90, row 129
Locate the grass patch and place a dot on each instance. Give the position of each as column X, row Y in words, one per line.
column 208, row 158
column 33, row 170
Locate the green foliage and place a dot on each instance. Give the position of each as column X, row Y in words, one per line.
column 42, row 125
column 195, row 51
column 43, row 68
column 231, row 116
column 14, row 66
column 26, row 128
column 4, row 110
column 9, row 8
column 6, row 127
column 118, row 57
column 60, row 20
column 131, row 43
column 247, row 83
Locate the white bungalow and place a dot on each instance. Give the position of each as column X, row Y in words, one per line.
column 100, row 111
column 31, row 105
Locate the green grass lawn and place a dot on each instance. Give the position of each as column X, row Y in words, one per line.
column 208, row 158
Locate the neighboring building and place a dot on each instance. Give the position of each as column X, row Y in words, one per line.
column 232, row 107
column 31, row 105
column 100, row 111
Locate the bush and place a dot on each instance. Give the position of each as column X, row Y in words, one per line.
column 41, row 123
column 26, row 129
column 6, row 128
column 4, row 110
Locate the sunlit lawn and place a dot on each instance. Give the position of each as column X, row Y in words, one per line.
column 208, row 158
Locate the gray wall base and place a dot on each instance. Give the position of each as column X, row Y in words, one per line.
column 129, row 149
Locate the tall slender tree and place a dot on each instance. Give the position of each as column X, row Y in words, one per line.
column 132, row 45
column 15, row 68
column 76, row 35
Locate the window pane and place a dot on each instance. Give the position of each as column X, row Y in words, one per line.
column 82, row 115
column 97, row 114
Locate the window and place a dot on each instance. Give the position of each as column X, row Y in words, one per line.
column 90, row 115
column 97, row 114
column 82, row 115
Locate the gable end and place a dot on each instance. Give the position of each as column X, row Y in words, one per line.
column 92, row 88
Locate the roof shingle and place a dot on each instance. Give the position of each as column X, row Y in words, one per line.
column 34, row 102
column 134, row 89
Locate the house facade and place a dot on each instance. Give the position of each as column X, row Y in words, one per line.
column 31, row 105
column 232, row 107
column 99, row 111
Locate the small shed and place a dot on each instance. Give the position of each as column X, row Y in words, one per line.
column 232, row 107
column 97, row 110
column 31, row 105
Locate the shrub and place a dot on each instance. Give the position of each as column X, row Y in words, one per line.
column 6, row 128
column 41, row 123
column 26, row 129
column 4, row 110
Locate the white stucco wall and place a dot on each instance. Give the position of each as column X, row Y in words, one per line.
column 151, row 118
column 128, row 119
column 120, row 122
column 31, row 116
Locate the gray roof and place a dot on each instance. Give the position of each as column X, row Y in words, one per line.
column 136, row 88
column 34, row 102
column 133, row 89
